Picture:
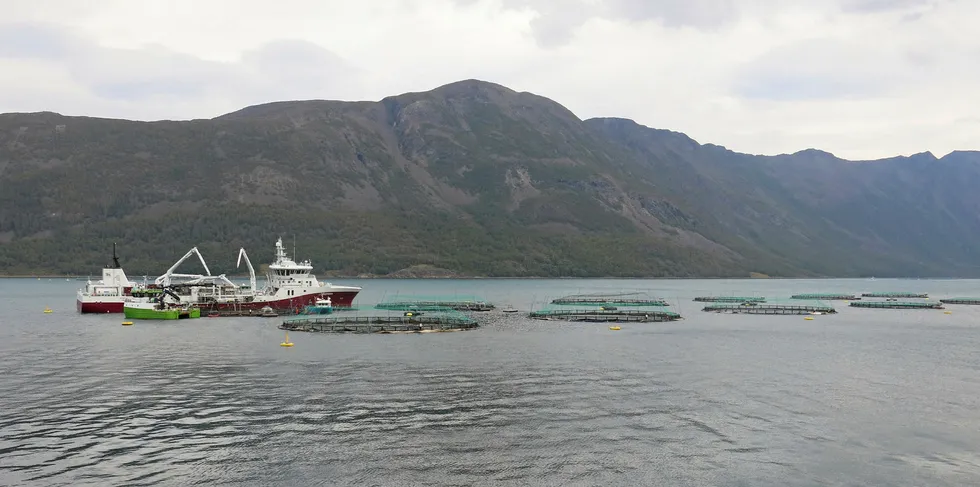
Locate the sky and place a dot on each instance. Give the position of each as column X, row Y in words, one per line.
column 862, row 79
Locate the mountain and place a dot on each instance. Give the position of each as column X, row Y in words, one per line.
column 473, row 179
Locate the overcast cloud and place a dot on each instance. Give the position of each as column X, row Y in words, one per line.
column 859, row 78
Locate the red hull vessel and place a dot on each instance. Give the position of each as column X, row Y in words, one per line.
column 99, row 306
column 108, row 294
column 342, row 299
column 290, row 286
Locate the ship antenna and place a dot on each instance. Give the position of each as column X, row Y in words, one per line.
column 115, row 260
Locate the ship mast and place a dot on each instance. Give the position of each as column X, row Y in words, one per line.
column 115, row 259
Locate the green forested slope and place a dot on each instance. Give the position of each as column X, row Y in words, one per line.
column 470, row 177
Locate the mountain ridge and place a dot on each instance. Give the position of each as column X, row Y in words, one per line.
column 474, row 179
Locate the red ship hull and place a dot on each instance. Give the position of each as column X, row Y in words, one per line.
column 339, row 299
column 99, row 307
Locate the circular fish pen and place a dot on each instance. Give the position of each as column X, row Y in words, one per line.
column 432, row 303
column 730, row 299
column 770, row 308
column 826, row 297
column 896, row 305
column 895, row 295
column 604, row 314
column 373, row 320
column 620, row 299
column 960, row 301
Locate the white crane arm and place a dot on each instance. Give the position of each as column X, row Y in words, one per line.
column 251, row 270
column 165, row 278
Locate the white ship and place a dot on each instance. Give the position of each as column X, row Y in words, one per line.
column 290, row 286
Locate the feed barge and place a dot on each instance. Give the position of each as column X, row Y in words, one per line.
column 634, row 299
column 960, row 301
column 895, row 295
column 730, row 299
column 769, row 309
column 826, row 297
column 605, row 315
column 896, row 305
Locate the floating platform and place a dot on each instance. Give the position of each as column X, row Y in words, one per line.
column 605, row 316
column 730, row 299
column 622, row 299
column 379, row 324
column 419, row 303
column 826, row 297
column 895, row 295
column 896, row 305
column 769, row 309
column 960, row 301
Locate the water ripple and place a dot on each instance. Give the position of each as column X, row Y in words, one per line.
column 735, row 402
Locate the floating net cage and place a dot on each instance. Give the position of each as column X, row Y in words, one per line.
column 604, row 313
column 405, row 302
column 895, row 295
column 613, row 299
column 793, row 307
column 960, row 300
column 897, row 305
column 371, row 319
column 730, row 299
column 826, row 297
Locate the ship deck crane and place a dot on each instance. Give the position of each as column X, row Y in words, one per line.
column 164, row 280
column 251, row 270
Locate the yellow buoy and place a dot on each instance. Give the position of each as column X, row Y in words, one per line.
column 613, row 327
column 947, row 312
column 127, row 323
column 808, row 318
column 286, row 342
column 47, row 309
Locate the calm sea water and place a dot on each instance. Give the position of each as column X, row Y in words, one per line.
column 864, row 397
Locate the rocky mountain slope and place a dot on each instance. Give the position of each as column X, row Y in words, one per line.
column 468, row 179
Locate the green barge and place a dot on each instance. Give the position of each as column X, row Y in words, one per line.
column 151, row 311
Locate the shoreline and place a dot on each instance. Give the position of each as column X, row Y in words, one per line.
column 532, row 278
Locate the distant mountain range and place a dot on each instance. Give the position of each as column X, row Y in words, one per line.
column 469, row 179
